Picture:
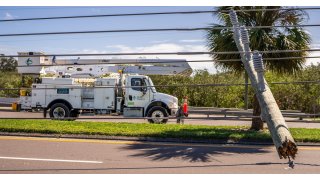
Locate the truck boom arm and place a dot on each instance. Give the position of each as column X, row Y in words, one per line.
column 43, row 64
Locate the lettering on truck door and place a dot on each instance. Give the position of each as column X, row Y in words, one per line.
column 138, row 94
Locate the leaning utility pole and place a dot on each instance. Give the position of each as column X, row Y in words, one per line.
column 270, row 111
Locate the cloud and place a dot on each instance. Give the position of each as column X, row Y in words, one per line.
column 172, row 47
column 8, row 50
column 192, row 40
column 95, row 10
column 162, row 47
column 315, row 45
column 8, row 16
column 310, row 61
column 169, row 47
column 161, row 41
column 120, row 48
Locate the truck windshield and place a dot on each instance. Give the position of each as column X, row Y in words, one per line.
column 152, row 86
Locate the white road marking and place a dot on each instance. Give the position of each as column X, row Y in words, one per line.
column 52, row 160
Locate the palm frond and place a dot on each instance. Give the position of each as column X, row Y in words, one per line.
column 263, row 39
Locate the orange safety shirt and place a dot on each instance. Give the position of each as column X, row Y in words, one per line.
column 185, row 107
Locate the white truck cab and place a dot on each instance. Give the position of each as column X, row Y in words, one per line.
column 142, row 94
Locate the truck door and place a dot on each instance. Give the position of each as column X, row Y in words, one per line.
column 137, row 94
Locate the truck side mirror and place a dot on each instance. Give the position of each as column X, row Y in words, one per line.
column 144, row 90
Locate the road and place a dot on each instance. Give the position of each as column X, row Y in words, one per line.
column 302, row 124
column 49, row 155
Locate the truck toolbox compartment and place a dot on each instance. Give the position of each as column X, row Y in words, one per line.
column 133, row 112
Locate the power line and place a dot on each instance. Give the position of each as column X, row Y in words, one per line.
column 276, row 26
column 44, row 8
column 166, row 61
column 98, row 36
column 106, row 15
column 104, row 31
column 116, row 54
column 147, row 14
column 148, row 30
column 165, row 53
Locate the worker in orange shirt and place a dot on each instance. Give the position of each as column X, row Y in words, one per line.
column 182, row 111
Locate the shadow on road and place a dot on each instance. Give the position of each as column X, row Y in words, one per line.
column 187, row 153
column 194, row 153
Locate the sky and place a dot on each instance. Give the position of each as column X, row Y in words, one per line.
column 173, row 41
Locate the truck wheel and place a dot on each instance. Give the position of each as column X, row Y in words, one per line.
column 59, row 111
column 158, row 115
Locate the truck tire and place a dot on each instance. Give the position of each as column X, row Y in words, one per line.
column 59, row 111
column 158, row 115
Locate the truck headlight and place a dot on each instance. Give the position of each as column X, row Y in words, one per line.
column 173, row 105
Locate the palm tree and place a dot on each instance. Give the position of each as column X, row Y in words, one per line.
column 262, row 39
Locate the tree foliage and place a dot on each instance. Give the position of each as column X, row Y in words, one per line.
column 262, row 39
column 304, row 96
column 8, row 64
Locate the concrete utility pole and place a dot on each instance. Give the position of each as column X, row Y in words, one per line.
column 270, row 111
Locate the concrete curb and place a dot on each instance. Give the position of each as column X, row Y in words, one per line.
column 149, row 139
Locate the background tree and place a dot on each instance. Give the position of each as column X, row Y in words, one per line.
column 262, row 39
column 8, row 64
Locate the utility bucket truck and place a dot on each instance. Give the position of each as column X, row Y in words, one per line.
column 68, row 95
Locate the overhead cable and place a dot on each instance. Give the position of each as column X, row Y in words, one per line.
column 149, row 30
column 148, row 14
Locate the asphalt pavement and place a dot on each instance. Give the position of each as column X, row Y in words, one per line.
column 49, row 155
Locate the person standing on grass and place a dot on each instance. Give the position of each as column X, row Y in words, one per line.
column 182, row 111
column 185, row 106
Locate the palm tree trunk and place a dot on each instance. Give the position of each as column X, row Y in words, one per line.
column 257, row 123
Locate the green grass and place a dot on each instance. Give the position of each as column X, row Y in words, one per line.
column 150, row 130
